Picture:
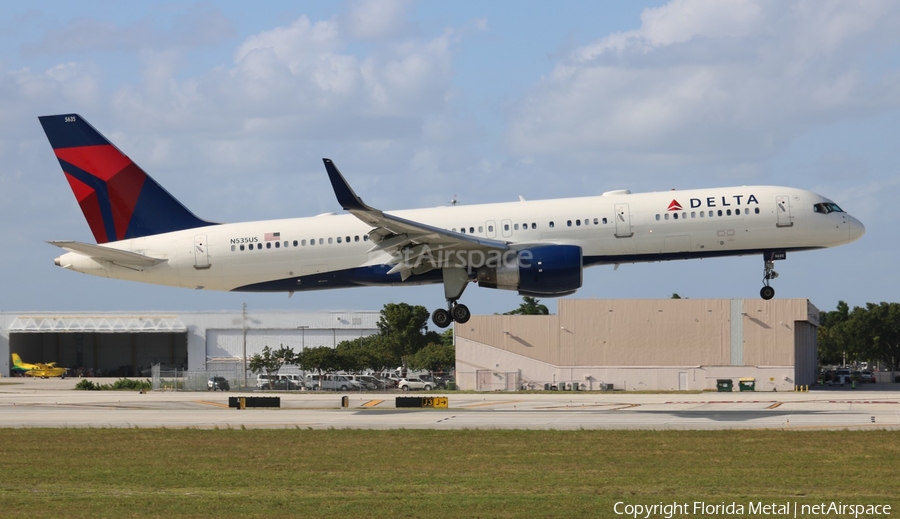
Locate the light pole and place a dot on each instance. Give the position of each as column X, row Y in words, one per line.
column 244, row 341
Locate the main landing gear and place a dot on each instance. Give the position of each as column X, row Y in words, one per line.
column 455, row 281
column 454, row 312
column 767, row 292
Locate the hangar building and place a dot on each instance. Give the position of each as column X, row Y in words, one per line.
column 125, row 344
column 667, row 344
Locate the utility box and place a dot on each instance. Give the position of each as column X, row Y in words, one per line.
column 724, row 385
column 747, row 384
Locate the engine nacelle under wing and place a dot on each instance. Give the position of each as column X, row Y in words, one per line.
column 547, row 270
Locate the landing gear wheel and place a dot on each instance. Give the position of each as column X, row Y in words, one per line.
column 441, row 318
column 767, row 292
column 461, row 313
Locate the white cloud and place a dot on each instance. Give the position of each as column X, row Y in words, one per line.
column 377, row 19
column 711, row 82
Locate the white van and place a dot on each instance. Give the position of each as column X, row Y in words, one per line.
column 331, row 381
column 262, row 380
column 290, row 381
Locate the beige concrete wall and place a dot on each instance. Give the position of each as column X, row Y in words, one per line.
column 646, row 344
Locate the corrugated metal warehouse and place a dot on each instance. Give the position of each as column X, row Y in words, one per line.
column 120, row 344
column 667, row 344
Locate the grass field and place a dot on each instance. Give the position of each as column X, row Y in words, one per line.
column 439, row 474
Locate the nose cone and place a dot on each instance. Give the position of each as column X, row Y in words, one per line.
column 855, row 228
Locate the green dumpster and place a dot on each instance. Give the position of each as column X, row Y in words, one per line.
column 747, row 384
column 724, row 385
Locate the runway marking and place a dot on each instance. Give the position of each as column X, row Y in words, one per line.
column 372, row 403
column 211, row 403
column 605, row 406
column 485, row 404
column 773, row 406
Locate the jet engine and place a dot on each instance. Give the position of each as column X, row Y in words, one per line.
column 546, row 270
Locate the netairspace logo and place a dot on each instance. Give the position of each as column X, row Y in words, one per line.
column 758, row 508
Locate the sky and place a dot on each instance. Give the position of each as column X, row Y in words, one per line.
column 232, row 105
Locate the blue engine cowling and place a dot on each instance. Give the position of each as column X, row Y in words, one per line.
column 547, row 270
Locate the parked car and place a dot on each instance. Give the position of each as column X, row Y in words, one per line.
column 282, row 384
column 866, row 377
column 331, row 381
column 409, row 383
column 219, row 383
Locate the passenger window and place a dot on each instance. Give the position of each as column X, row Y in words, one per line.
column 321, row 241
column 675, row 215
column 295, row 243
column 269, row 245
column 232, row 248
column 348, row 239
column 596, row 221
column 463, row 230
column 242, row 247
column 312, row 242
column 329, row 241
column 303, row 243
column 720, row 212
column 356, row 238
column 666, row 216
column 756, row 210
column 657, row 217
column 569, row 223
column 490, row 228
column 604, row 221
column 506, row 227
column 259, row 246
column 578, row 223
column 366, row 237
column 693, row 214
column 551, row 225
column 533, row 225
column 339, row 240
column 516, row 227
column 701, row 214
column 277, row 244
column 480, row 229
column 471, row 230
column 728, row 212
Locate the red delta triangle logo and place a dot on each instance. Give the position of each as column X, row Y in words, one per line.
column 674, row 206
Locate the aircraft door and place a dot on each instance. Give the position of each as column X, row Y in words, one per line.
column 783, row 211
column 491, row 228
column 201, row 252
column 623, row 221
column 506, row 228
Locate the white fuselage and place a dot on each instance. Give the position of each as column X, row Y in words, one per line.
column 330, row 251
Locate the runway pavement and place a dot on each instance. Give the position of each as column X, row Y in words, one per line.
column 55, row 403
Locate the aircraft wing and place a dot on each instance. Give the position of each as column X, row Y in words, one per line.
column 393, row 234
column 99, row 252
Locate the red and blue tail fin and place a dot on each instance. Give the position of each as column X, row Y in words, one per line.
column 118, row 199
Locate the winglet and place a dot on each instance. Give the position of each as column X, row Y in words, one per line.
column 342, row 190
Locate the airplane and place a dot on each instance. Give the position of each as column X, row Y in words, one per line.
column 537, row 248
column 37, row 370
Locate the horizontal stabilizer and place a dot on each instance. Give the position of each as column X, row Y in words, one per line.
column 99, row 252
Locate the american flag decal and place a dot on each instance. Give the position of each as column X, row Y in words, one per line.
column 273, row 236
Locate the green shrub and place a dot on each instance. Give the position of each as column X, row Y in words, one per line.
column 123, row 384
column 87, row 385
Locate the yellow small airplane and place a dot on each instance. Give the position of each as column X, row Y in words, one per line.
column 37, row 370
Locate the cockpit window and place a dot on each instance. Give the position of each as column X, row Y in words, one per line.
column 827, row 207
